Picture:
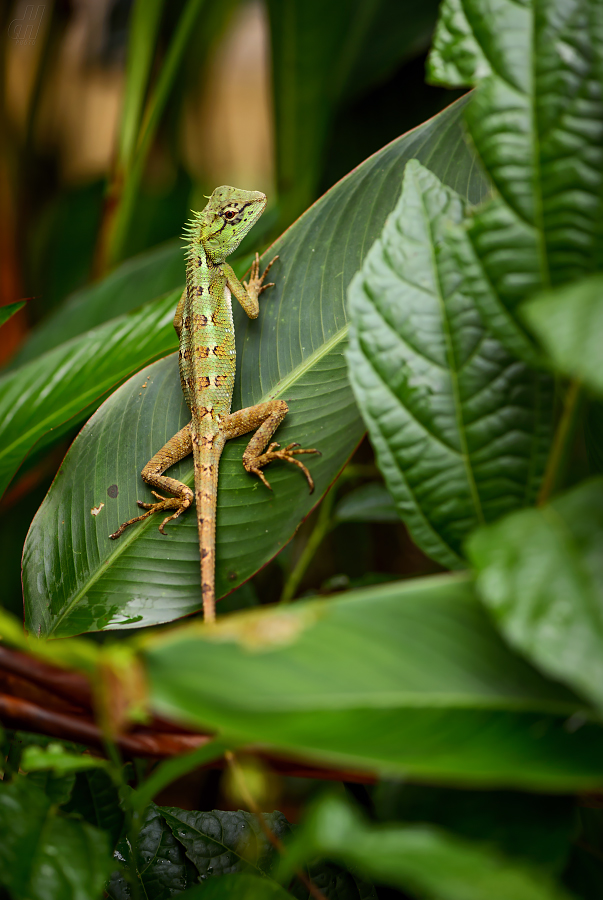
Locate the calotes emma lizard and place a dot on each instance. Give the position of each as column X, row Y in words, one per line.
column 204, row 324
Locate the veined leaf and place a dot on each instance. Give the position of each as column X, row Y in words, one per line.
column 537, row 123
column 45, row 855
column 541, row 573
column 82, row 581
column 569, row 324
column 321, row 54
column 160, row 867
column 142, row 278
column 461, row 428
column 408, row 679
column 65, row 382
column 219, row 842
column 95, row 798
column 421, row 859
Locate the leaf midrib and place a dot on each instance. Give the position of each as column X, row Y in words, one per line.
column 453, row 369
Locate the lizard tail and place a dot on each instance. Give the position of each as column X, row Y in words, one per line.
column 206, row 462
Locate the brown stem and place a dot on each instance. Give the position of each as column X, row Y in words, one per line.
column 71, row 686
column 22, row 714
column 42, row 698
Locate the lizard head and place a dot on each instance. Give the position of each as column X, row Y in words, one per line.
column 225, row 221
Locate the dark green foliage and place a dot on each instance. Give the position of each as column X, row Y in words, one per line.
column 447, row 295
column 45, row 855
column 161, row 868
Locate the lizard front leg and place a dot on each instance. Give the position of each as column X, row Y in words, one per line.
column 247, row 293
column 264, row 419
column 177, row 448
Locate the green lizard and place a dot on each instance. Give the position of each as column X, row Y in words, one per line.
column 203, row 322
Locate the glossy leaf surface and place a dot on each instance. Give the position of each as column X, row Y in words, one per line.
column 140, row 279
column 541, row 574
column 65, row 382
column 161, row 868
column 44, row 855
column 369, row 503
column 417, row 858
column 321, row 54
column 410, row 678
column 294, row 351
column 569, row 325
column 537, row 124
column 219, row 842
column 461, row 428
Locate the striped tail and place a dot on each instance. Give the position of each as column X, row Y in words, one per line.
column 206, row 458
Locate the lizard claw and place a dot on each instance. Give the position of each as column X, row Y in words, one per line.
column 272, row 452
column 178, row 504
column 253, row 470
column 256, row 281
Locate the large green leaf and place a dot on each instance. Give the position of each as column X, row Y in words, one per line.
column 95, row 798
column 421, row 859
column 161, row 867
column 408, row 679
column 219, row 842
column 82, row 581
column 569, row 323
column 537, row 123
column 539, row 829
column 62, row 385
column 541, row 574
column 44, row 855
column 142, row 278
column 138, row 280
column 461, row 428
column 322, row 53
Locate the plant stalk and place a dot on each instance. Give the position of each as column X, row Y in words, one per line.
column 272, row 837
column 323, row 525
column 562, row 442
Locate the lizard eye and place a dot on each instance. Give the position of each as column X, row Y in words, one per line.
column 230, row 213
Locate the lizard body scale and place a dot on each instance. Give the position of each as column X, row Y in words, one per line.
column 207, row 362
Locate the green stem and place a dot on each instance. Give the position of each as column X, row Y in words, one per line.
column 324, row 524
column 320, row 531
column 562, row 442
column 174, row 768
column 133, row 177
column 133, row 819
column 144, row 27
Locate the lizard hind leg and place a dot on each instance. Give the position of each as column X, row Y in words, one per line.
column 177, row 448
column 264, row 418
column 152, row 508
